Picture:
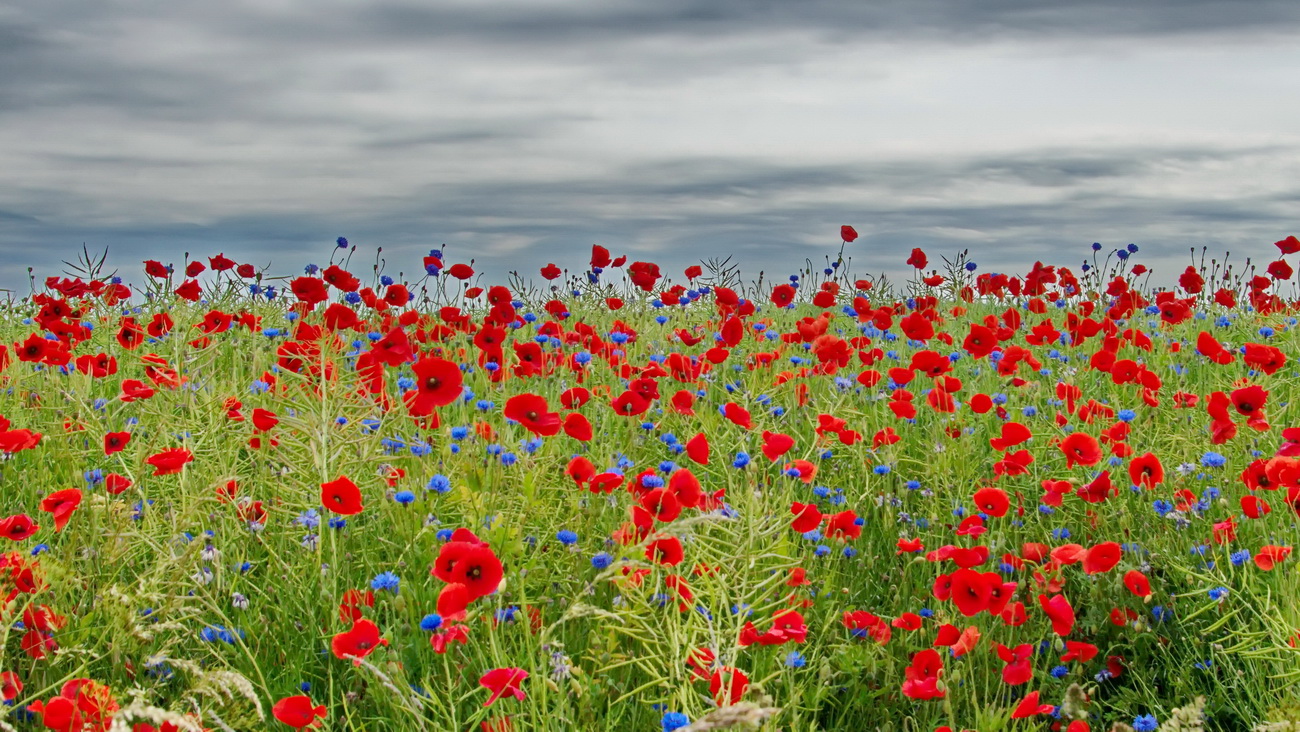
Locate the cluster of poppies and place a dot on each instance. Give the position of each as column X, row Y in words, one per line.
column 839, row 418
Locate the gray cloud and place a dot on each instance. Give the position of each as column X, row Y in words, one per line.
column 519, row 135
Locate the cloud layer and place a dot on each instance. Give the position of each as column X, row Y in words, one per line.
column 523, row 132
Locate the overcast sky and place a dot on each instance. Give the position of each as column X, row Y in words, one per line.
column 523, row 131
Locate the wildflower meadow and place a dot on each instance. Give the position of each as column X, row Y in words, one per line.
column 602, row 496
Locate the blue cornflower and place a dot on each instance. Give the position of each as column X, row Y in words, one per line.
column 439, row 483
column 431, row 622
column 1217, row 593
column 602, row 560
column 1145, row 723
column 794, row 659
column 566, row 537
column 1213, row 460
column 385, row 581
column 674, row 721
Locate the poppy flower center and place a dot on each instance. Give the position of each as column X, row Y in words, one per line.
column 432, row 383
column 532, row 416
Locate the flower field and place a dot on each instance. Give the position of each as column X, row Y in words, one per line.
column 610, row 497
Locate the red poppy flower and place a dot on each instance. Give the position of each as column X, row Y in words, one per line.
column 453, row 634
column 578, row 427
column 264, row 419
column 666, row 550
column 353, row 601
column 97, row 366
column 341, row 496
column 170, row 461
column 844, row 526
column 1255, row 507
column 782, row 295
column 738, row 415
column 1101, row 558
column 453, row 599
column 461, row 271
column 848, row 233
column 1080, row 449
column 972, row 590
column 643, row 274
column 360, row 641
column 992, row 501
column 1269, row 556
column 776, row 444
column 61, row 504
column 476, row 566
column 1264, row 358
column 1078, row 651
column 116, row 442
column 1013, row 433
column 18, row 440
column 1146, row 471
column 297, row 711
column 1029, row 707
column 918, row 259
column 503, row 681
column 683, row 402
column 1249, row 401
column 806, row 517
column 907, row 621
column 662, row 503
column 728, row 685
column 189, row 290
column 532, row 411
column 438, row 382
column 1058, row 610
column 697, row 449
column 1019, row 667
column 922, row 676
column 1098, row 490
column 18, row 527
column 10, row 685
